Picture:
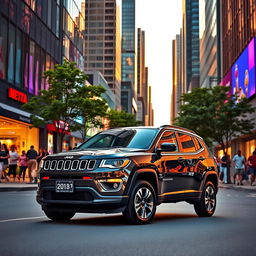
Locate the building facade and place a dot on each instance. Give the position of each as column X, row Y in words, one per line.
column 34, row 36
column 238, row 26
column 190, row 40
column 103, row 42
column 142, row 85
column 177, row 89
column 210, row 54
column 129, row 54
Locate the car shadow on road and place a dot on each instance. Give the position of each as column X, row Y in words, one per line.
column 118, row 220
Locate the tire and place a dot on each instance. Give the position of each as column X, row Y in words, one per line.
column 207, row 204
column 59, row 216
column 141, row 206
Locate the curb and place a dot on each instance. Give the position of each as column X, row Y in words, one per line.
column 240, row 188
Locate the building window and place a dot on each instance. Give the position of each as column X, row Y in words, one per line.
column 11, row 45
column 31, row 66
column 18, row 58
column 3, row 48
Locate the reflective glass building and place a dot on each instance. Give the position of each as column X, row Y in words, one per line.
column 129, row 55
column 190, row 42
column 34, row 36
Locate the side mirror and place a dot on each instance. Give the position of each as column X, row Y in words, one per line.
column 167, row 147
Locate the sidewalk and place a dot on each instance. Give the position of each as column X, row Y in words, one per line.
column 17, row 186
column 245, row 187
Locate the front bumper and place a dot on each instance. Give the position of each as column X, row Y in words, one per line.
column 87, row 196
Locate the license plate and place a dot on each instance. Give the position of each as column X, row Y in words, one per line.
column 64, row 186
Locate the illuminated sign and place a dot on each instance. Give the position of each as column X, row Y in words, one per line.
column 60, row 127
column 243, row 73
column 17, row 95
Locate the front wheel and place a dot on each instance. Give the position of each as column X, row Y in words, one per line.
column 207, row 204
column 59, row 216
column 141, row 207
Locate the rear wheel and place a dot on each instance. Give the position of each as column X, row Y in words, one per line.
column 59, row 216
column 141, row 207
column 207, row 204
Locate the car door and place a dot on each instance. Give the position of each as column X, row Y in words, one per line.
column 169, row 164
column 190, row 157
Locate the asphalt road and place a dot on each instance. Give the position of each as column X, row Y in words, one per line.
column 176, row 230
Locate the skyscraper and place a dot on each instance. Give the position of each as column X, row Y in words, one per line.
column 190, row 39
column 176, row 77
column 129, row 54
column 142, row 86
column 103, row 42
column 210, row 66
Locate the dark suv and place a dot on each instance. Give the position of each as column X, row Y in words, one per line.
column 129, row 170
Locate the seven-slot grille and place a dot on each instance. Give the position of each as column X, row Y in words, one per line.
column 69, row 165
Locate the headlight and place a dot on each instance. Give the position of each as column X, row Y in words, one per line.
column 114, row 163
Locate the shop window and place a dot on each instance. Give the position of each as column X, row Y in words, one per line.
column 18, row 68
column 31, row 66
column 11, row 45
column 3, row 47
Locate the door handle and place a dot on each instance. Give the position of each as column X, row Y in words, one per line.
column 201, row 158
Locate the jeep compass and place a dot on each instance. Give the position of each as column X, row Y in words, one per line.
column 129, row 170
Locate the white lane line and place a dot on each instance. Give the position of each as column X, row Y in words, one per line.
column 20, row 219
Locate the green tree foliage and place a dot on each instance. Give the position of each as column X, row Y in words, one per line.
column 121, row 119
column 67, row 99
column 215, row 115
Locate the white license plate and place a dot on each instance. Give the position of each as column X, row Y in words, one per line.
column 64, row 186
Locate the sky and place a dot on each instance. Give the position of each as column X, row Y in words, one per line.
column 161, row 20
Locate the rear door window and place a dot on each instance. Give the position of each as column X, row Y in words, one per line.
column 187, row 143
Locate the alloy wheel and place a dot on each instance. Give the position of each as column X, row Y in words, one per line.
column 143, row 203
column 209, row 199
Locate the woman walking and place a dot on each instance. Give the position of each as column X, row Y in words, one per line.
column 23, row 165
column 13, row 161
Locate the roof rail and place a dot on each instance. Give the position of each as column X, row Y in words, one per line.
column 178, row 127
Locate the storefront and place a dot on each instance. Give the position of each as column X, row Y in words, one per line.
column 20, row 134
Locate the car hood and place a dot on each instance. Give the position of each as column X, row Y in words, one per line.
column 99, row 153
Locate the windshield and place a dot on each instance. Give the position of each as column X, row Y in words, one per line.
column 132, row 138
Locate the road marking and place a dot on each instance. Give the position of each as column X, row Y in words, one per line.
column 20, row 219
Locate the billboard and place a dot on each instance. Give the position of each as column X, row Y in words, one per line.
column 243, row 73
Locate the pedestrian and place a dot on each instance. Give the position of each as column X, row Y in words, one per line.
column 252, row 167
column 4, row 155
column 223, row 168
column 32, row 164
column 13, row 161
column 228, row 168
column 239, row 161
column 23, row 164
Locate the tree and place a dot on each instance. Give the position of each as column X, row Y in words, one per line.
column 66, row 100
column 215, row 115
column 92, row 108
column 121, row 119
